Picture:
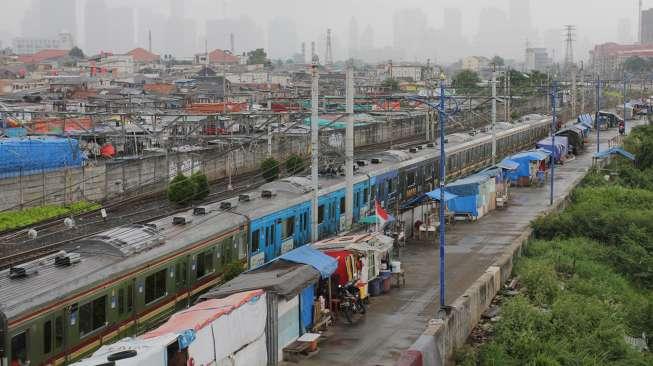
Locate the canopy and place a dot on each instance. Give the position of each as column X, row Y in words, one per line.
column 379, row 243
column 468, row 186
column 435, row 195
column 508, row 164
column 560, row 148
column 321, row 262
column 615, row 151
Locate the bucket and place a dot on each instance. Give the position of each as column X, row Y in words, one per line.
column 396, row 266
column 386, row 279
column 375, row 287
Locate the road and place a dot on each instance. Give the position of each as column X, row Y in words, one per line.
column 394, row 321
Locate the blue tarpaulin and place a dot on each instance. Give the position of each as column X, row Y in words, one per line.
column 508, row 164
column 306, row 255
column 186, row 338
column 586, row 119
column 615, row 151
column 585, row 129
column 306, row 308
column 31, row 155
column 467, row 186
column 559, row 150
column 435, row 195
column 524, row 160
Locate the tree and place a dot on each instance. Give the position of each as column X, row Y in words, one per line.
column 256, row 57
column 466, row 80
column 498, row 61
column 294, row 164
column 391, row 84
column 76, row 52
column 201, row 184
column 270, row 169
column 181, row 189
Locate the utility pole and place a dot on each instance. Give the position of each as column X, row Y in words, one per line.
column 505, row 95
column 349, row 147
column 598, row 108
column 494, row 114
column 573, row 91
column 553, row 137
column 314, row 146
column 509, row 95
column 624, row 98
column 443, row 117
column 329, row 52
column 582, row 82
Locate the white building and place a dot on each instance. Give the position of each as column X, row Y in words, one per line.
column 119, row 65
column 475, row 63
column 537, row 59
column 29, row 46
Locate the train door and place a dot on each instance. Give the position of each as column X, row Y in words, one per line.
column 257, row 245
column 52, row 335
column 20, row 352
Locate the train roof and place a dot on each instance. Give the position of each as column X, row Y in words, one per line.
column 106, row 256
column 292, row 191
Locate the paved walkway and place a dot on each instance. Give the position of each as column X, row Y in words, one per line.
column 394, row 321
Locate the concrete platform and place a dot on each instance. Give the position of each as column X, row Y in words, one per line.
column 395, row 321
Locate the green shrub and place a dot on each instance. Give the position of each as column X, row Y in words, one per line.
column 201, row 183
column 181, row 189
column 294, row 164
column 270, row 169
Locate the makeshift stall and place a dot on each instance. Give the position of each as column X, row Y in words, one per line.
column 559, row 150
column 291, row 283
column 533, row 166
column 475, row 197
column 575, row 138
column 500, row 174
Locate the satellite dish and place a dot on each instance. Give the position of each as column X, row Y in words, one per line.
column 32, row 234
column 69, row 222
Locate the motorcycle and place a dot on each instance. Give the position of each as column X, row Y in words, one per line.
column 350, row 302
column 622, row 129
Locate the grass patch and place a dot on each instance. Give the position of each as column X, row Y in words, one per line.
column 18, row 219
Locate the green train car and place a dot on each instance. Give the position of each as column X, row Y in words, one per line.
column 120, row 283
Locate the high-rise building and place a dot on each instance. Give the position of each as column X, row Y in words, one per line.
column 409, row 33
column 354, row 46
column 647, row 26
column 29, row 46
column 624, row 31
column 282, row 38
column 453, row 22
column 151, row 21
column 47, row 18
column 96, row 24
column 493, row 31
column 520, row 17
column 537, row 58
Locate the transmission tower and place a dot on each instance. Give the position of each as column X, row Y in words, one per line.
column 570, row 34
column 328, row 55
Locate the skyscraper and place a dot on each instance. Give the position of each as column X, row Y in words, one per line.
column 282, row 38
column 453, row 22
column 647, row 26
column 353, row 38
column 96, row 24
column 47, row 18
column 624, row 31
column 409, row 33
column 493, row 32
column 520, row 16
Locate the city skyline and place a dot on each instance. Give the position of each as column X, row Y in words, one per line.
column 444, row 34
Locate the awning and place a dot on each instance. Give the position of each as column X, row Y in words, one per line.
column 380, row 243
column 306, row 255
column 435, row 195
column 414, row 201
column 508, row 164
column 615, row 151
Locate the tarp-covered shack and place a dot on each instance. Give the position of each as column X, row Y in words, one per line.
column 290, row 284
column 22, row 156
column 575, row 138
column 532, row 165
column 559, row 149
column 476, row 195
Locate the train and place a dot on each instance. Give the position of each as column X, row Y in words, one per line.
column 128, row 280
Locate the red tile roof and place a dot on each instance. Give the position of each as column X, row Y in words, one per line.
column 222, row 57
column 159, row 88
column 41, row 56
column 142, row 55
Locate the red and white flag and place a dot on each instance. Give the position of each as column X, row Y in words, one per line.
column 381, row 214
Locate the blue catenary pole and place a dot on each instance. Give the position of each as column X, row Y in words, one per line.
column 625, row 99
column 553, row 137
column 442, row 117
column 598, row 108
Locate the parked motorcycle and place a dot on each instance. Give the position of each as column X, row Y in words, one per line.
column 350, row 302
column 622, row 128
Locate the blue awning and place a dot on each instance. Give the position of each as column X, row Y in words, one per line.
column 414, row 201
column 508, row 164
column 435, row 195
column 307, row 255
column 615, row 151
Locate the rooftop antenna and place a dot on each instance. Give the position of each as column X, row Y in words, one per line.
column 149, row 39
column 313, row 51
column 328, row 54
column 303, row 52
column 232, row 43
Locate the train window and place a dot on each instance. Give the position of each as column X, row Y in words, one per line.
column 267, row 237
column 241, row 245
column 305, row 221
column 47, row 337
column 130, row 297
column 204, row 264
column 121, row 301
column 366, row 193
column 19, row 348
column 356, row 200
column 320, row 214
column 288, row 228
column 255, row 240
column 342, row 205
column 93, row 315
column 410, row 179
column 273, row 230
column 58, row 332
column 181, row 270
column 155, row 285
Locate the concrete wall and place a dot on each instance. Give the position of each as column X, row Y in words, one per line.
column 98, row 181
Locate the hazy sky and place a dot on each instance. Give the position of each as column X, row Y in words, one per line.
column 596, row 20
